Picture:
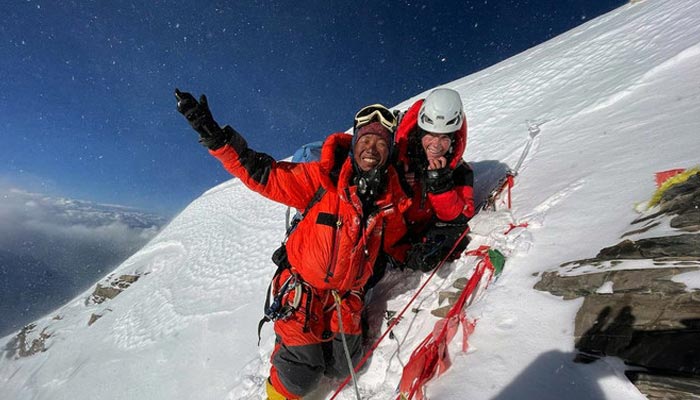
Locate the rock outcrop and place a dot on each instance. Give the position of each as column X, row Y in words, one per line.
column 30, row 341
column 115, row 286
column 640, row 313
column 103, row 293
column 20, row 345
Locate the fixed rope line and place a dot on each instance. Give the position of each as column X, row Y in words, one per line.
column 398, row 317
column 348, row 358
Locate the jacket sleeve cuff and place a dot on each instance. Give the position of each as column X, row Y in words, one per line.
column 447, row 205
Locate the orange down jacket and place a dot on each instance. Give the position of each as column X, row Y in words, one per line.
column 335, row 246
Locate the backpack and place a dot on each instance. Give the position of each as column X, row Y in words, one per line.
column 306, row 153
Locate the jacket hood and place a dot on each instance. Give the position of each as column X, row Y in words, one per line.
column 336, row 163
column 334, row 155
column 408, row 131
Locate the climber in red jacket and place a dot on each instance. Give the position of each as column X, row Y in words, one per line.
column 431, row 139
column 318, row 288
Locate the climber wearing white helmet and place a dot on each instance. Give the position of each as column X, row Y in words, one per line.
column 430, row 142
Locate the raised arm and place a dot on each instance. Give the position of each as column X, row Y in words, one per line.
column 292, row 184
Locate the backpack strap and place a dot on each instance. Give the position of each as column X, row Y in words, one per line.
column 291, row 225
column 280, row 258
column 317, row 197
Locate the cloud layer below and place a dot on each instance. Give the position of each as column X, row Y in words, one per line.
column 53, row 248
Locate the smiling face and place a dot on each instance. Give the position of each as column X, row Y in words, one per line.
column 435, row 145
column 370, row 152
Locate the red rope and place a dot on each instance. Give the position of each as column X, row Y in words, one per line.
column 512, row 226
column 431, row 354
column 431, row 357
column 398, row 317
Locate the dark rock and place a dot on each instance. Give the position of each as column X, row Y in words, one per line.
column 648, row 311
column 642, row 230
column 460, row 283
column 441, row 312
column 682, row 196
column 102, row 293
column 19, row 347
column 687, row 221
column 685, row 245
column 93, row 318
column 680, row 199
column 126, row 280
column 691, row 185
column 570, row 287
column 625, row 249
column 630, row 333
column 451, row 297
column 649, row 280
column 116, row 286
column 657, row 386
column 649, row 321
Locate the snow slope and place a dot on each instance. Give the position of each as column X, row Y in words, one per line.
column 615, row 100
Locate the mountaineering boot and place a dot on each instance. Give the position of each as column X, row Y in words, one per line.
column 273, row 394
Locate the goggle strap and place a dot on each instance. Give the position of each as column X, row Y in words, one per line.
column 382, row 114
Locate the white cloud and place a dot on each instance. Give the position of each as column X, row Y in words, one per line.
column 52, row 248
column 35, row 217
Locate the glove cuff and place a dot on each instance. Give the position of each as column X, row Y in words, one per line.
column 216, row 140
column 439, row 181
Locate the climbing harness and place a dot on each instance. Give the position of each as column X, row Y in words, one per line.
column 277, row 309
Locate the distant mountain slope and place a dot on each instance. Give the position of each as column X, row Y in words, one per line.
column 53, row 248
column 615, row 100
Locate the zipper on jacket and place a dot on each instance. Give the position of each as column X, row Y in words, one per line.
column 365, row 250
column 334, row 250
column 365, row 254
column 423, row 194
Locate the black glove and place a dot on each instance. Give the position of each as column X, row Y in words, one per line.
column 437, row 242
column 199, row 116
column 423, row 256
column 439, row 180
column 447, row 233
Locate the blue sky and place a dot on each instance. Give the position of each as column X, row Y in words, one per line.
column 86, row 86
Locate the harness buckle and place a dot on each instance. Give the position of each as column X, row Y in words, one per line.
column 281, row 309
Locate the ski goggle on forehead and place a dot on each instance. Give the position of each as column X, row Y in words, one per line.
column 375, row 112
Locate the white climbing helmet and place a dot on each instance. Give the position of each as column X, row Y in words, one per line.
column 441, row 112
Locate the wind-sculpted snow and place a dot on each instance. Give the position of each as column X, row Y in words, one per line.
column 614, row 101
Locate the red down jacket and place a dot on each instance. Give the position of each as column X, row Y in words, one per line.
column 331, row 248
column 445, row 206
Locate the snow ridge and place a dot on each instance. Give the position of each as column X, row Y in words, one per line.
column 619, row 95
